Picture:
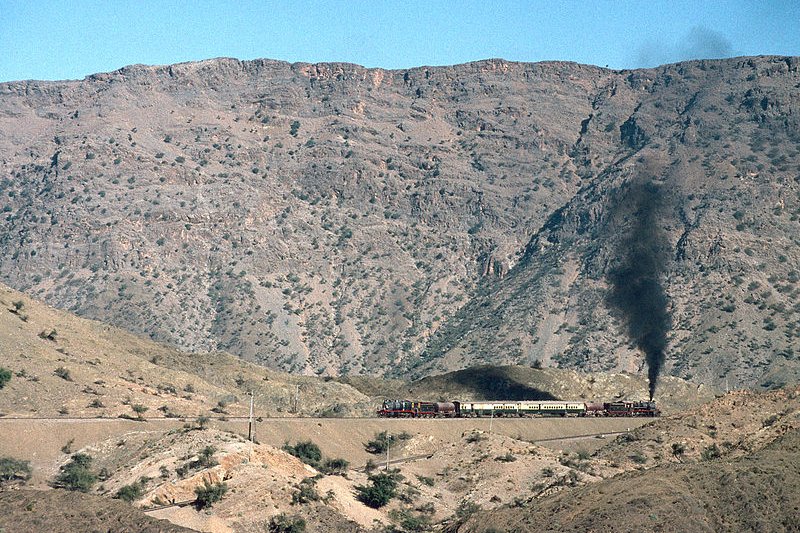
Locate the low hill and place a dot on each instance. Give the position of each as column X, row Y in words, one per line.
column 728, row 465
column 63, row 365
column 753, row 493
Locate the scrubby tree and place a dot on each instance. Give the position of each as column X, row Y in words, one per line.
column 307, row 451
column 77, row 475
column 209, row 494
column 14, row 470
column 139, row 410
column 206, row 457
column 380, row 491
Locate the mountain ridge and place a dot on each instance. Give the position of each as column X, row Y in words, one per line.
column 333, row 219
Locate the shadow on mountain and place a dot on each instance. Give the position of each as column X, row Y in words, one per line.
column 492, row 383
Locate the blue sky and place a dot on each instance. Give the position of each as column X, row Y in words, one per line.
column 66, row 39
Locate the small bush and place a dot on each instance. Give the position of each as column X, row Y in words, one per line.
column 381, row 442
column 475, row 436
column 206, row 457
column 209, row 494
column 76, row 475
column 410, row 521
column 306, row 491
column 334, row 466
column 382, row 488
column 639, row 458
column 710, row 452
column 14, row 470
column 429, row 481
column 63, row 373
column 5, row 377
column 51, row 335
column 130, row 493
column 678, row 449
column 307, row 451
column 284, row 523
column 507, row 458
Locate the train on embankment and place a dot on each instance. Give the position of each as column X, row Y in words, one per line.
column 457, row 409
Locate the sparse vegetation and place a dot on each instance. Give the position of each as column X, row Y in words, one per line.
column 283, row 523
column 384, row 441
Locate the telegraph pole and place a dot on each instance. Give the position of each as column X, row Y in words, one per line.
column 251, row 426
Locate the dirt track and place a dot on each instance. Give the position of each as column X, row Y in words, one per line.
column 41, row 441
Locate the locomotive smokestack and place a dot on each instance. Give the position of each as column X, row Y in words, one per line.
column 636, row 290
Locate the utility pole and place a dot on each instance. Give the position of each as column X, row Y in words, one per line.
column 251, row 426
column 387, row 453
column 296, row 397
column 491, row 419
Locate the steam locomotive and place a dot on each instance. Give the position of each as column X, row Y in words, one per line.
column 454, row 409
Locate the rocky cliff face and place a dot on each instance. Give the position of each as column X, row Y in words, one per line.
column 335, row 219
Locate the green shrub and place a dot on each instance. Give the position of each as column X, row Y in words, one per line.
column 130, row 493
column 381, row 442
column 307, row 451
column 76, row 475
column 306, row 491
column 63, row 373
column 409, row 521
column 382, row 488
column 284, row 523
column 209, row 494
column 14, row 470
column 334, row 466
column 475, row 436
column 710, row 452
column 139, row 410
column 206, row 457
column 5, row 377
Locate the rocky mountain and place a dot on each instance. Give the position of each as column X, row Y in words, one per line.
column 333, row 219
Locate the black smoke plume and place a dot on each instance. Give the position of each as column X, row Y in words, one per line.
column 636, row 289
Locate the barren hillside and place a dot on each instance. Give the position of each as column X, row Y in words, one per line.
column 333, row 219
column 65, row 366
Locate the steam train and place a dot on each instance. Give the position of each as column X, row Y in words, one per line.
column 454, row 409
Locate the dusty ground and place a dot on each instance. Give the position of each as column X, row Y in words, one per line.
column 41, row 441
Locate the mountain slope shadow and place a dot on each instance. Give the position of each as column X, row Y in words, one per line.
column 486, row 382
